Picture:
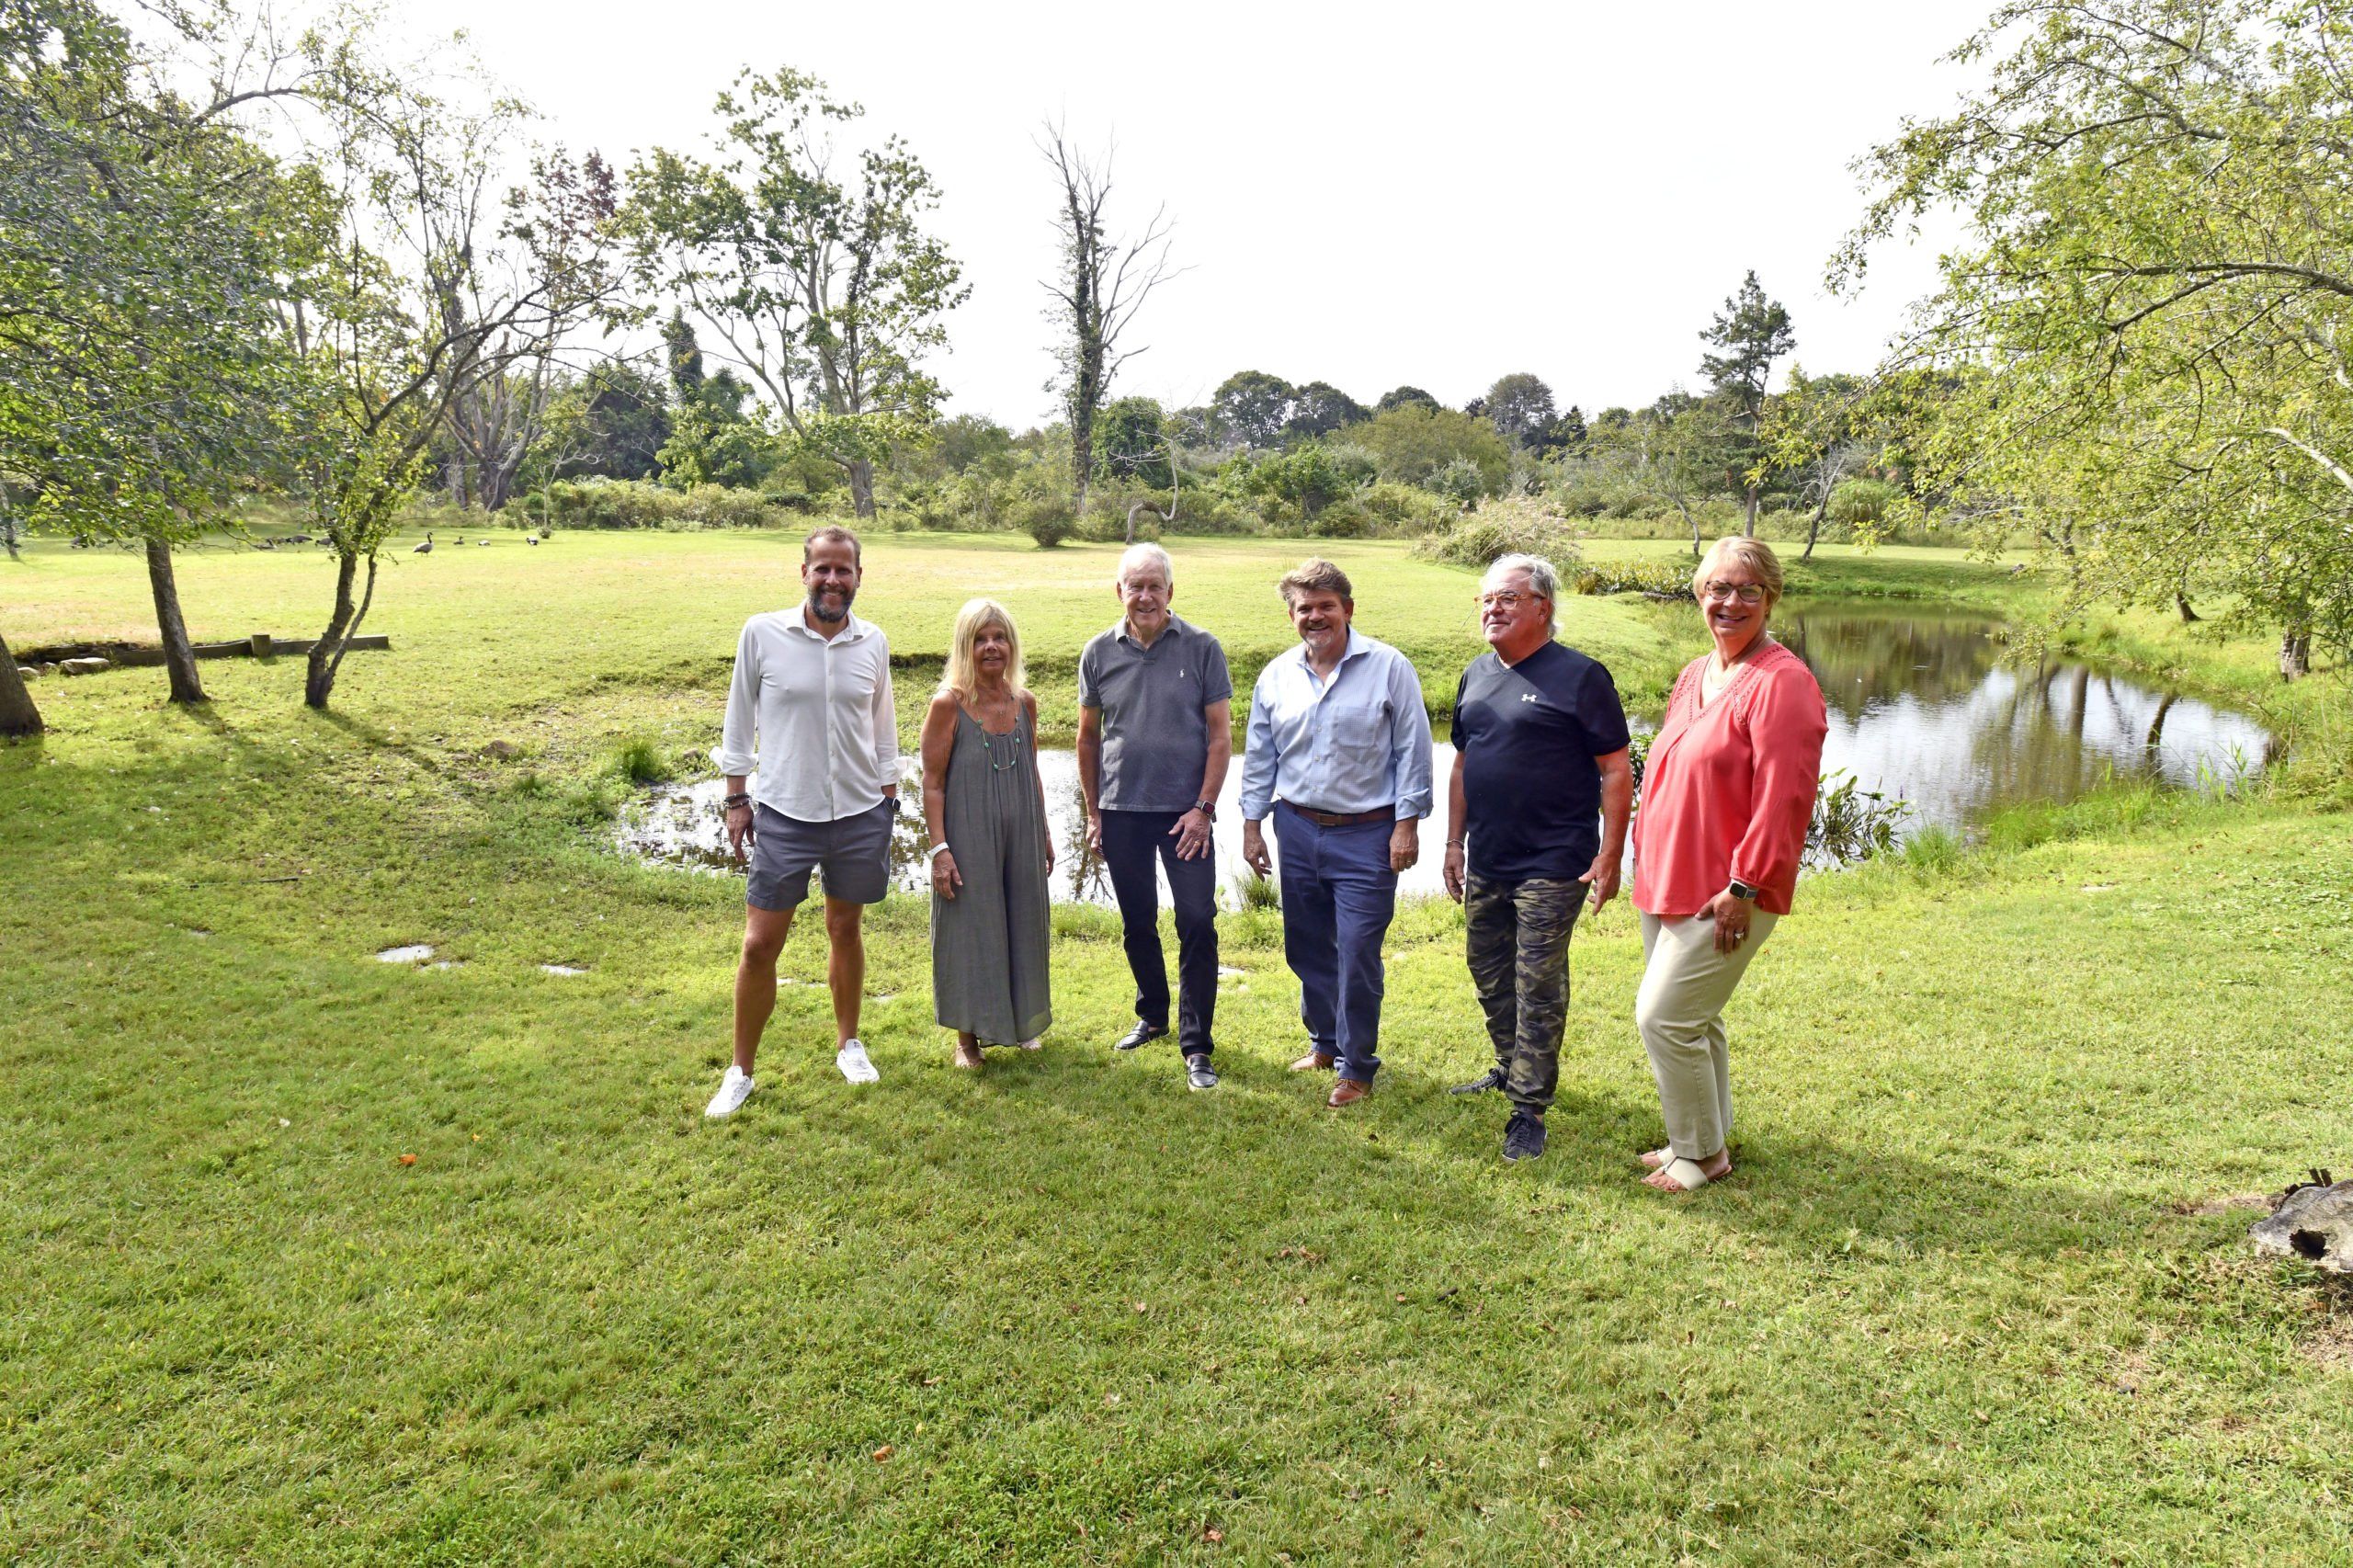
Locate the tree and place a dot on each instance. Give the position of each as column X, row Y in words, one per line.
column 1319, row 408
column 1521, row 407
column 147, row 245
column 825, row 288
column 1129, row 443
column 1251, row 407
column 440, row 284
column 1415, row 442
column 495, row 419
column 1104, row 282
column 1750, row 333
column 2144, row 337
column 1817, row 429
column 1678, row 451
column 1401, row 397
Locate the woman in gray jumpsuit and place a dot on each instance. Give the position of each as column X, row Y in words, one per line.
column 991, row 853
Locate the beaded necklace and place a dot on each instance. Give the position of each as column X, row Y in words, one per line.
column 989, row 739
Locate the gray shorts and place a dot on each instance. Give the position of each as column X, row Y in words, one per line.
column 855, row 852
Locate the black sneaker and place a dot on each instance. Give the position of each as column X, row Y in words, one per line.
column 1524, row 1136
column 1139, row 1035
column 1199, row 1074
column 1493, row 1079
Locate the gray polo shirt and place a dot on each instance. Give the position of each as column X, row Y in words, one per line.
column 1156, row 738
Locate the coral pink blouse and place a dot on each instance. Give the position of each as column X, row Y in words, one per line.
column 1728, row 791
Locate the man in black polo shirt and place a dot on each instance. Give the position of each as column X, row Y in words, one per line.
column 1539, row 754
column 1155, row 735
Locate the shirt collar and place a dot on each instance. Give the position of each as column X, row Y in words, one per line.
column 795, row 620
column 1119, row 630
column 1359, row 644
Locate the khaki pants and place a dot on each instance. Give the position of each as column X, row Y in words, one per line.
column 1680, row 1012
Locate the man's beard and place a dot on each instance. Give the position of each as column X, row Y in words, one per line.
column 817, row 609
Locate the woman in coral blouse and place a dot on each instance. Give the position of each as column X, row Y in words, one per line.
column 1727, row 794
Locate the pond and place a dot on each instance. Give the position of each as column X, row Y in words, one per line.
column 1921, row 708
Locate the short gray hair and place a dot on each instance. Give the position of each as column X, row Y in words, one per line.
column 1146, row 556
column 1542, row 580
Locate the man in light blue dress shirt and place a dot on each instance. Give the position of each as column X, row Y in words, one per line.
column 1339, row 737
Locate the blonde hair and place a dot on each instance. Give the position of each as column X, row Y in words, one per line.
column 964, row 671
column 1753, row 553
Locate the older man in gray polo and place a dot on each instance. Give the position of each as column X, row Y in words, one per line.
column 1155, row 739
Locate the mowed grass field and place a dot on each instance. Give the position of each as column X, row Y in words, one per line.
column 1970, row 1297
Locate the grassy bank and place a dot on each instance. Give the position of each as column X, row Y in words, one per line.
column 1958, row 1304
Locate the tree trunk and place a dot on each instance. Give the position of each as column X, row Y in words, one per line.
column 1082, row 455
column 1691, row 517
column 326, row 653
column 2187, row 614
column 1750, row 527
column 862, row 488
column 1814, row 529
column 179, row 655
column 18, row 714
column 2295, row 653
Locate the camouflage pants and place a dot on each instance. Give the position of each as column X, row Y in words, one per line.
column 1519, row 966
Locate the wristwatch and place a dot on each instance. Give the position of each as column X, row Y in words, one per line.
column 1742, row 890
column 1207, row 809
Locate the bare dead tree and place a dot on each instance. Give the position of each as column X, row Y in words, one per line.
column 1102, row 283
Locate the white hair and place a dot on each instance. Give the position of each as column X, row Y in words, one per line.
column 1542, row 580
column 1137, row 555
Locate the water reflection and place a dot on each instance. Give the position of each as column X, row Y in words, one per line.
column 1922, row 707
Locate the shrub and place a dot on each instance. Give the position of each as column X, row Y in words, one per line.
column 1860, row 503
column 1505, row 526
column 1341, row 519
column 1405, row 509
column 1048, row 520
column 1655, row 579
column 1459, row 481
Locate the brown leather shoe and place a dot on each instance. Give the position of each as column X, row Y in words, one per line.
column 1314, row 1062
column 1348, row 1091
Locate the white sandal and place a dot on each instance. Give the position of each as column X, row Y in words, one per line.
column 1686, row 1175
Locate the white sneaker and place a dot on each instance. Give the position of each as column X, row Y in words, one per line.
column 734, row 1090
column 851, row 1060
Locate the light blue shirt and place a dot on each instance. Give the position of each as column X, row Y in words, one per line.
column 1356, row 743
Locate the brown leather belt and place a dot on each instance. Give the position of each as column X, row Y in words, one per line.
column 1343, row 819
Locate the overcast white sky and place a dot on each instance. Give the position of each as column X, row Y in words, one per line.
column 1368, row 193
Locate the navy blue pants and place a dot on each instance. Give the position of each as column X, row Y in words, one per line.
column 1338, row 898
column 1133, row 841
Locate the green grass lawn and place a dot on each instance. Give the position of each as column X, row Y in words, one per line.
column 1958, row 1304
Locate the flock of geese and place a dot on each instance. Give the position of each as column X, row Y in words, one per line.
column 427, row 548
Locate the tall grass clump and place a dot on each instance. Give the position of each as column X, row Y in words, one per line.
column 1506, row 524
column 640, row 760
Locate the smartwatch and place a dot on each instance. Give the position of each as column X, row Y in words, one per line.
column 1207, row 809
column 1742, row 890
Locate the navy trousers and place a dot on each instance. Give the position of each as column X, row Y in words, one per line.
column 1338, row 898
column 1133, row 841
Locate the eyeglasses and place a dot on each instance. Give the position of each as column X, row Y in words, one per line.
column 1746, row 593
column 1507, row 601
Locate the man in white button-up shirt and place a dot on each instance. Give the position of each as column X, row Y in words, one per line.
column 812, row 687
column 1338, row 735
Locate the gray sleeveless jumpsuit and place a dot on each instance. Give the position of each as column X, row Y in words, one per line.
column 989, row 943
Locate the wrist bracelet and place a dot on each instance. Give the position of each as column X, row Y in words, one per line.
column 734, row 801
column 1454, row 844
column 935, row 850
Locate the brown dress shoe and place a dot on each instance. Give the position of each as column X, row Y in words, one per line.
column 1348, row 1091
column 1314, row 1062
